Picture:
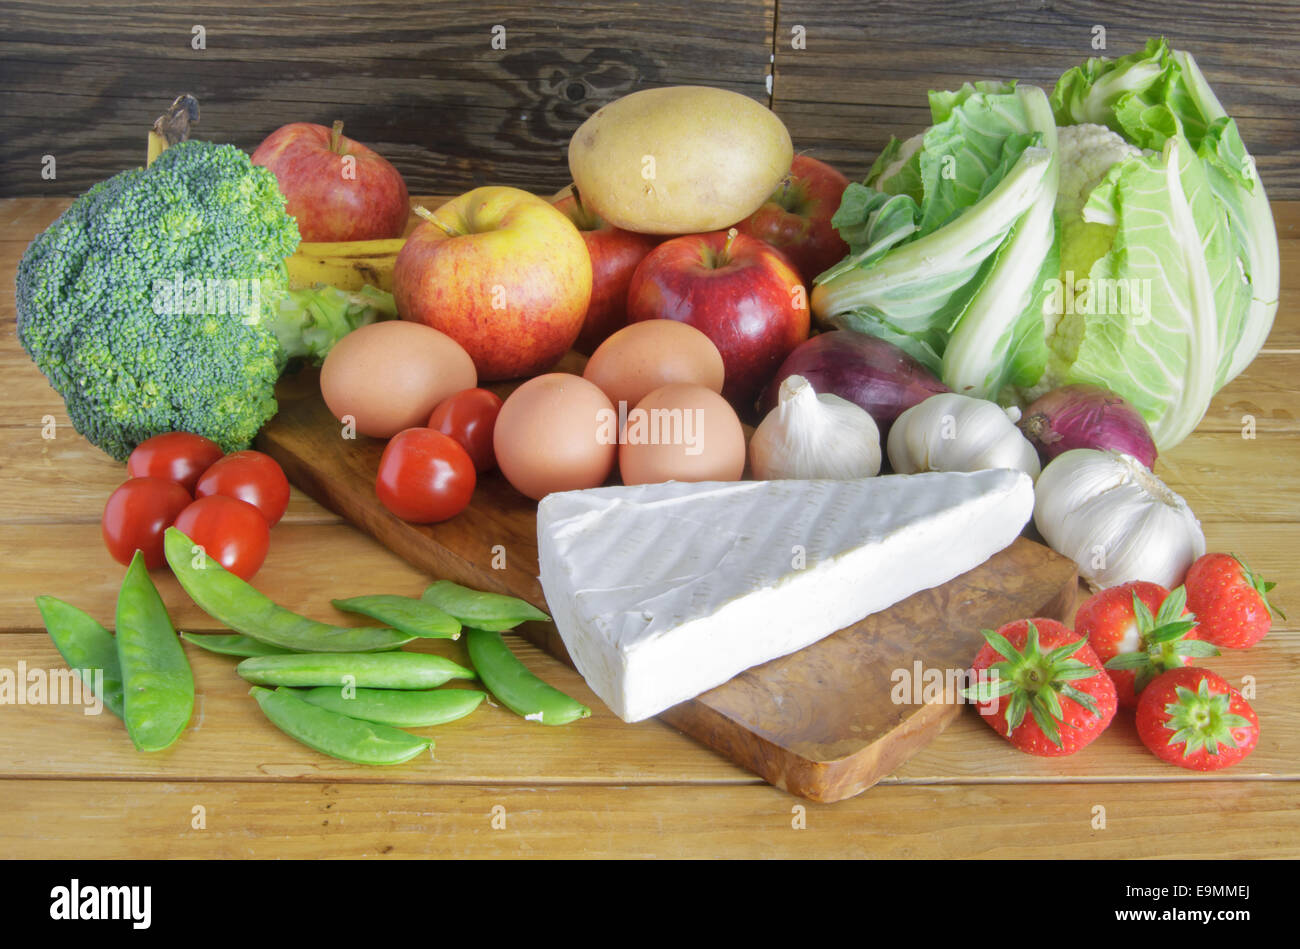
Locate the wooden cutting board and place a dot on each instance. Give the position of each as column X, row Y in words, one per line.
column 825, row 723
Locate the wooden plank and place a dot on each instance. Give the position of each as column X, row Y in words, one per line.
column 423, row 85
column 86, row 820
column 229, row 737
column 230, row 740
column 311, row 563
column 863, row 72
column 308, row 565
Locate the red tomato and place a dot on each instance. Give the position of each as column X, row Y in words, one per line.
column 231, row 532
column 469, row 416
column 175, row 456
column 425, row 476
column 248, row 476
column 136, row 516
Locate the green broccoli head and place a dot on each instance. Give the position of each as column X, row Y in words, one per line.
column 150, row 304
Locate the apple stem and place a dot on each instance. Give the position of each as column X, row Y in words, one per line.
column 336, row 137
column 437, row 221
column 724, row 257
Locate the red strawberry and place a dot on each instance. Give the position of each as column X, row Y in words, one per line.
column 1230, row 601
column 1037, row 692
column 1192, row 718
column 1134, row 646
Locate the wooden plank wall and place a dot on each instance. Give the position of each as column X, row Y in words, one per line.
column 423, row 83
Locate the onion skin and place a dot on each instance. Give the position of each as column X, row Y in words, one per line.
column 1087, row 416
column 866, row 371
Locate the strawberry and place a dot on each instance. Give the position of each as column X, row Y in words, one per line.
column 1230, row 601
column 1037, row 692
column 1134, row 646
column 1192, row 718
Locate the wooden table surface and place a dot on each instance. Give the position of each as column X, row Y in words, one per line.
column 71, row 785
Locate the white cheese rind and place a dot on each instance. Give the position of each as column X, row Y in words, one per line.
column 661, row 592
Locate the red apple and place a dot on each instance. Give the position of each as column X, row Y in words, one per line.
column 797, row 217
column 740, row 292
column 335, row 199
column 615, row 254
column 501, row 272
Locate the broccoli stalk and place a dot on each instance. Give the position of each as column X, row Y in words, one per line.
column 308, row 322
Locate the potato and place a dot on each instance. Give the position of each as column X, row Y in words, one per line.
column 679, row 160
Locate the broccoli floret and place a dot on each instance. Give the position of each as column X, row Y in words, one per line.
column 152, row 304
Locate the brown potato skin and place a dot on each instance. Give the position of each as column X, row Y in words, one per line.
column 679, row 160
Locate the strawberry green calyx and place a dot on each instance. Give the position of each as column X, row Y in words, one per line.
column 1035, row 681
column 1165, row 637
column 1261, row 586
column 1202, row 720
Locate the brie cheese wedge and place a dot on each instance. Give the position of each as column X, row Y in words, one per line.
column 663, row 591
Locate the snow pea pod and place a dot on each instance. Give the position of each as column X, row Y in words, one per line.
column 397, row 708
column 157, row 683
column 233, row 644
column 518, row 689
column 369, row 670
column 405, row 613
column 337, row 735
column 490, row 611
column 85, row 646
column 230, row 600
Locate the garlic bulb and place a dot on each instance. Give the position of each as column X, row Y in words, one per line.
column 1108, row 513
column 951, row 432
column 814, row 436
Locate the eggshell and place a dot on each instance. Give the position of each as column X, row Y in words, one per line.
column 389, row 376
column 642, row 357
column 556, row 432
column 682, row 432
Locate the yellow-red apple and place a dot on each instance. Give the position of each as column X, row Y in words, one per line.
column 502, row 272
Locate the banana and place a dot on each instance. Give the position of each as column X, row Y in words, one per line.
column 346, row 273
column 375, row 248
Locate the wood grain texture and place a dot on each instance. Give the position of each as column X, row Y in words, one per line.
column 421, row 83
column 301, row 821
column 229, row 739
column 865, row 69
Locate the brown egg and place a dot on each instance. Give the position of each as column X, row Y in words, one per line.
column 682, row 432
column 640, row 358
column 556, row 432
column 389, row 376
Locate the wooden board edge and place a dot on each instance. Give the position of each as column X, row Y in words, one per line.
column 827, row 782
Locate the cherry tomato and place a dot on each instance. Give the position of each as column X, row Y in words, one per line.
column 469, row 416
column 231, row 532
column 248, row 476
column 425, row 476
column 136, row 516
column 175, row 456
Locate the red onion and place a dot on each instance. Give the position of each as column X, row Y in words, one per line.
column 871, row 373
column 1087, row 416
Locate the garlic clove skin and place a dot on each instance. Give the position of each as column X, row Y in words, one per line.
column 953, row 432
column 1114, row 518
column 811, row 436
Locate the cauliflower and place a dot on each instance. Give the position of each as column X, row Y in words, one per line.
column 1086, row 153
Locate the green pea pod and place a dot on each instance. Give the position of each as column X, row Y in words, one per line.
column 396, row 708
column 518, row 689
column 338, row 736
column 364, row 670
column 233, row 644
column 230, row 600
column 490, row 611
column 405, row 613
column 86, row 647
column 157, row 683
